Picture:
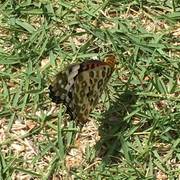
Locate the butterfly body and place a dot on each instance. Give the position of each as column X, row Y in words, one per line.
column 80, row 86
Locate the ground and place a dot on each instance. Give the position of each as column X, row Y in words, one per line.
column 134, row 130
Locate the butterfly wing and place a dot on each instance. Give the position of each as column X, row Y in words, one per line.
column 80, row 86
column 62, row 87
column 88, row 87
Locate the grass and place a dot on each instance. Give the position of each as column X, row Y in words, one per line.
column 134, row 130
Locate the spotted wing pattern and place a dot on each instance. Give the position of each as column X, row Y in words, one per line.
column 80, row 86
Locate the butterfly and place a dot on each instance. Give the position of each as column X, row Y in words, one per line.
column 80, row 86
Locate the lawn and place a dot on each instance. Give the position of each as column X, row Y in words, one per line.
column 133, row 132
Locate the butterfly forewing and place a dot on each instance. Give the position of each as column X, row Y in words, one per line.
column 88, row 88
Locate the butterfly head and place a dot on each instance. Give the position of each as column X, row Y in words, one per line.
column 111, row 61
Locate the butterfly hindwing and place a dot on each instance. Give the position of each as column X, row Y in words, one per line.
column 61, row 88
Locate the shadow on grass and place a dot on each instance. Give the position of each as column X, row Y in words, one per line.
column 113, row 127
